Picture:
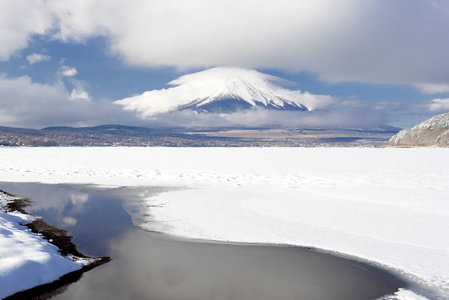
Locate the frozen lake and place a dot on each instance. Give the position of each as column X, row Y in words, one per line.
column 150, row 265
column 388, row 207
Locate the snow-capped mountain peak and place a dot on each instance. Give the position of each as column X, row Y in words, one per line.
column 223, row 90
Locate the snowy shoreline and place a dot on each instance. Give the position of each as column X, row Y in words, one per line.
column 43, row 196
column 29, row 254
column 388, row 206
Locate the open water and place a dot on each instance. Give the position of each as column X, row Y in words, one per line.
column 149, row 265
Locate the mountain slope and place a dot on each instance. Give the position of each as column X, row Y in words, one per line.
column 432, row 132
column 223, row 90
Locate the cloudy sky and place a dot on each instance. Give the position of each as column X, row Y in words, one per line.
column 65, row 62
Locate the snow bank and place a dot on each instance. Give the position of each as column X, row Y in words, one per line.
column 403, row 294
column 388, row 206
column 26, row 259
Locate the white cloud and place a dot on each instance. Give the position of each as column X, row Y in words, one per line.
column 66, row 71
column 79, row 91
column 433, row 88
column 36, row 57
column 19, row 20
column 22, row 100
column 337, row 117
column 439, row 105
column 25, row 103
column 79, row 94
column 376, row 41
column 340, row 40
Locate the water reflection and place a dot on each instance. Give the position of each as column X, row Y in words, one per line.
column 93, row 221
column 152, row 266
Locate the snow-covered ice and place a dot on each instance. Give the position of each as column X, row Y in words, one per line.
column 387, row 206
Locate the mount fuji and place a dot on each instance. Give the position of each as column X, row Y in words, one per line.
column 223, row 90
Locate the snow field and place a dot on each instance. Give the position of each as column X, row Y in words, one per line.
column 388, row 206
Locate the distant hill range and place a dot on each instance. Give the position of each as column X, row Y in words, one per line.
column 104, row 135
column 430, row 133
column 119, row 135
column 108, row 130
